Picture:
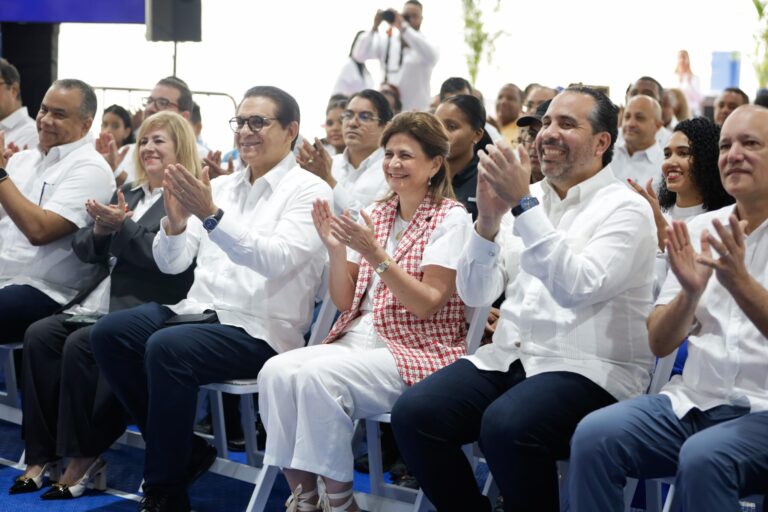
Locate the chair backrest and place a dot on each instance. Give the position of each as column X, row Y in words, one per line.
column 662, row 372
column 322, row 325
column 477, row 317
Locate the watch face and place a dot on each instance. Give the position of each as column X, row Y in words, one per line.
column 528, row 202
column 210, row 223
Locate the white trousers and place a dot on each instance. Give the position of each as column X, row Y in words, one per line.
column 309, row 398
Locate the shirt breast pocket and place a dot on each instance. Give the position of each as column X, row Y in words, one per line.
column 46, row 192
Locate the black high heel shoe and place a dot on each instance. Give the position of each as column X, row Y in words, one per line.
column 25, row 484
column 95, row 477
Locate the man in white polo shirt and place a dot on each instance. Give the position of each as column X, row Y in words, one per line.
column 42, row 194
column 15, row 122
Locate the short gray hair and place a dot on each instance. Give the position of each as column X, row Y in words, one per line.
column 87, row 95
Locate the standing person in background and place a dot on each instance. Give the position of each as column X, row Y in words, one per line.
column 729, row 100
column 406, row 59
column 689, row 83
column 354, row 76
column 19, row 128
column 508, row 105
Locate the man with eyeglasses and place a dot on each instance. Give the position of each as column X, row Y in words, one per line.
column 259, row 266
column 530, row 125
column 406, row 59
column 356, row 176
column 19, row 128
column 170, row 93
column 42, row 195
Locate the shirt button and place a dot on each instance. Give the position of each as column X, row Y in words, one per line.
column 491, row 253
column 517, row 343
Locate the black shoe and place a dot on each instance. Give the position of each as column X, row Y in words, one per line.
column 204, row 427
column 24, row 484
column 202, row 457
column 164, row 502
column 236, row 445
column 407, row 480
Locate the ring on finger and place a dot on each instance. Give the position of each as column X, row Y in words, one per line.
column 310, row 160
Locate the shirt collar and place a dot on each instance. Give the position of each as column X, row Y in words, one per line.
column 376, row 155
column 271, row 177
column 58, row 153
column 145, row 187
column 14, row 119
column 583, row 190
column 652, row 154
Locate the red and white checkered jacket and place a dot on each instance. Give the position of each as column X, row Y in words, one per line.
column 420, row 347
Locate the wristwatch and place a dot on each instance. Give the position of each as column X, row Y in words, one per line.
column 3, row 175
column 384, row 265
column 525, row 204
column 210, row 222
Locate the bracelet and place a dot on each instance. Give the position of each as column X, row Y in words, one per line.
column 384, row 265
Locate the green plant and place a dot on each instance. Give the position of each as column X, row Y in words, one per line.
column 479, row 42
column 761, row 43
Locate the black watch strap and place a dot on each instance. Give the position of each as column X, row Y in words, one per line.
column 3, row 175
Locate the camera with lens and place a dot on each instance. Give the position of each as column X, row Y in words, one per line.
column 389, row 15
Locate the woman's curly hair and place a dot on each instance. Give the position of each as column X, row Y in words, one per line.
column 703, row 138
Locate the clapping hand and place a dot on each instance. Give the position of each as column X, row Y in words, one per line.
column 650, row 195
column 193, row 194
column 108, row 219
column 729, row 267
column 684, row 262
column 502, row 179
column 315, row 159
column 321, row 217
column 107, row 146
column 213, row 162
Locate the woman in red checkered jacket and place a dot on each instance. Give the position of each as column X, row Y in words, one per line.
column 392, row 274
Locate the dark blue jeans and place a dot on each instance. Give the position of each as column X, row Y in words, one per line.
column 155, row 371
column 20, row 307
column 524, row 426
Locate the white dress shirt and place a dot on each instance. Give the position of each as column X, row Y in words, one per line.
column 350, row 80
column 641, row 166
column 727, row 355
column 59, row 182
column 20, row 129
column 577, row 274
column 357, row 188
column 260, row 268
column 409, row 67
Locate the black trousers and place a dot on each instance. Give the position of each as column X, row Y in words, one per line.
column 524, row 425
column 69, row 410
column 20, row 306
column 156, row 371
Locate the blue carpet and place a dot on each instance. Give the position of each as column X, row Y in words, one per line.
column 211, row 493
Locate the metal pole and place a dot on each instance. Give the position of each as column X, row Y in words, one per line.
column 174, row 58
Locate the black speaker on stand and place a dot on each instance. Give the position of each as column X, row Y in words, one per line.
column 173, row 20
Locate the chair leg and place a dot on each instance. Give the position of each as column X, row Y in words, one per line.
column 11, row 397
column 375, row 461
column 264, row 483
column 422, row 503
column 629, row 493
column 669, row 500
column 217, row 422
column 248, row 419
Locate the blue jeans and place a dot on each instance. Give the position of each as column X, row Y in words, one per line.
column 716, row 456
column 155, row 371
column 524, row 425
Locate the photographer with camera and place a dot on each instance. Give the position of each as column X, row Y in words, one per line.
column 406, row 57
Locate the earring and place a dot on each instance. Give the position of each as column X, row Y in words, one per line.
column 429, row 181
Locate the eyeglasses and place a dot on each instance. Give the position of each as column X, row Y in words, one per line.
column 255, row 123
column 363, row 117
column 161, row 103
